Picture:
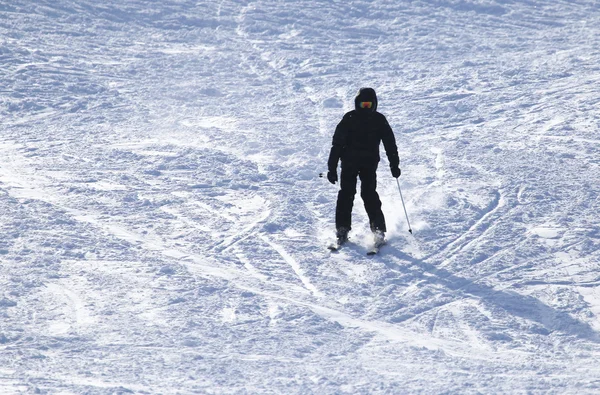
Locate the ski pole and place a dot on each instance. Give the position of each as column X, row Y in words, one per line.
column 405, row 213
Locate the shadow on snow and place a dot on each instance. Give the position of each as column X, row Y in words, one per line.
column 523, row 306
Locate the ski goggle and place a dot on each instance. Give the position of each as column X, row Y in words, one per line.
column 365, row 104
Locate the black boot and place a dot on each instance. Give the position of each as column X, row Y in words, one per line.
column 378, row 237
column 342, row 234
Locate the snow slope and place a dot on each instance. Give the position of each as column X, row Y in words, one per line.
column 163, row 223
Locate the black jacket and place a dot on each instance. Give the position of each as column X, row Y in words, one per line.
column 357, row 137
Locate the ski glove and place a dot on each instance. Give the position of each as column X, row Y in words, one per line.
column 396, row 172
column 332, row 176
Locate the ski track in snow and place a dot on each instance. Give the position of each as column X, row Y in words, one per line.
column 293, row 264
column 164, row 225
column 79, row 315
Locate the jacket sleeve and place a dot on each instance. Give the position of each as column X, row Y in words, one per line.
column 389, row 143
column 339, row 142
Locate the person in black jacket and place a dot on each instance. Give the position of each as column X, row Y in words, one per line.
column 356, row 142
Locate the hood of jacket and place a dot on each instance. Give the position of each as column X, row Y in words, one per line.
column 365, row 94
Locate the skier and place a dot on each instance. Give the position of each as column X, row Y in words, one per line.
column 356, row 142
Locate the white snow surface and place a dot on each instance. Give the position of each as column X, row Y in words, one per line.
column 163, row 225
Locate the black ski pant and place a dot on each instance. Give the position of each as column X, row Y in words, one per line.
column 368, row 193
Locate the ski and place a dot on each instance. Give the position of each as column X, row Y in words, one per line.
column 336, row 245
column 375, row 249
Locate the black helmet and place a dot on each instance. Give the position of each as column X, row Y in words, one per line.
column 365, row 96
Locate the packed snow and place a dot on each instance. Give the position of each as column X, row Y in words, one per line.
column 164, row 226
